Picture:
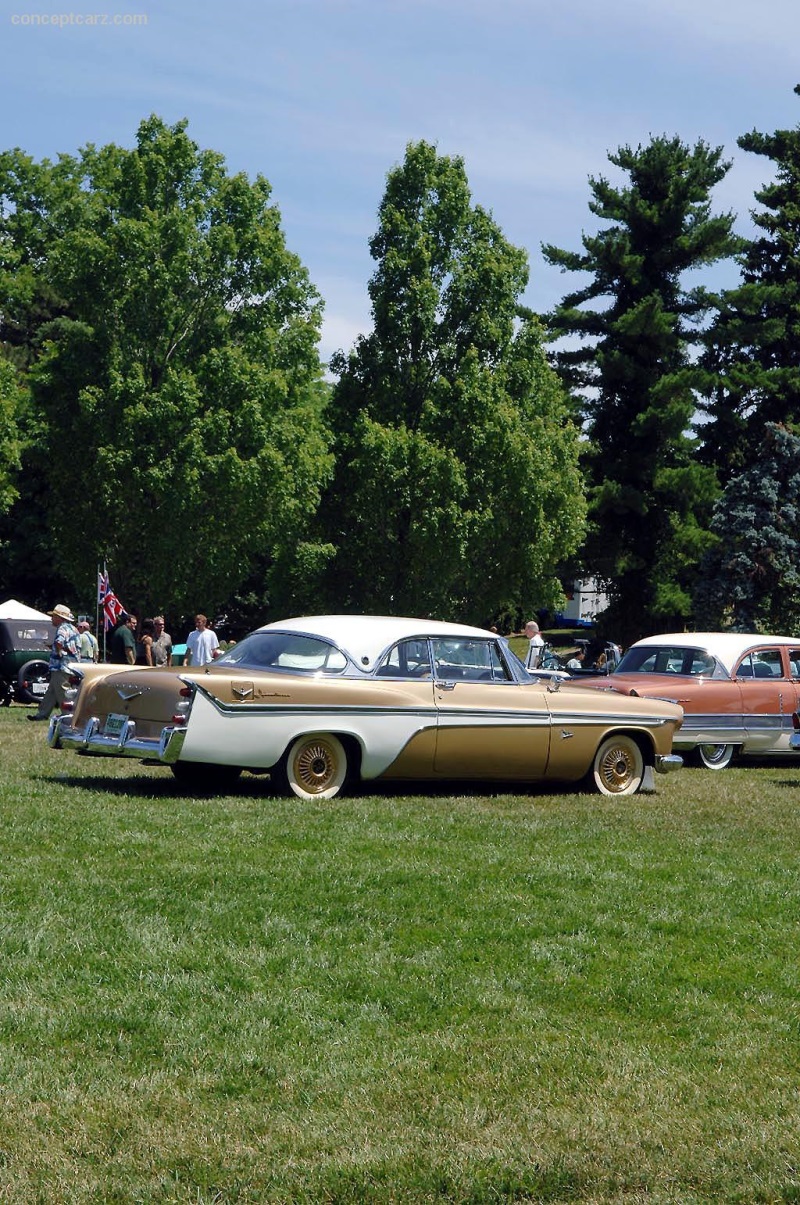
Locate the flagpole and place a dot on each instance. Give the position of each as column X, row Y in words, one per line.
column 97, row 612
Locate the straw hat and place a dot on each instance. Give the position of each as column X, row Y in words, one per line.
column 62, row 612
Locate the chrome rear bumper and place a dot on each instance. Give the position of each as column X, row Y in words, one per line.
column 667, row 762
column 91, row 739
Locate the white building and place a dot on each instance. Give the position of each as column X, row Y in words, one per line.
column 585, row 601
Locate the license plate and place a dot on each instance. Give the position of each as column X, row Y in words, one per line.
column 114, row 724
column 38, row 688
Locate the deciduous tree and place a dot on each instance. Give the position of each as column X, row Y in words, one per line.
column 172, row 340
column 456, row 489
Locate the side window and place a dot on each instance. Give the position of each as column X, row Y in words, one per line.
column 408, row 659
column 469, row 661
column 765, row 663
column 794, row 662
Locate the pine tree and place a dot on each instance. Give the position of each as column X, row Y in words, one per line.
column 649, row 499
column 752, row 577
column 752, row 361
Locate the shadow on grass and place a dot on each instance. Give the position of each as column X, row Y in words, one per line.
column 258, row 786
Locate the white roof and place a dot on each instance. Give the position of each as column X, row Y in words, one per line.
column 17, row 610
column 365, row 637
column 727, row 647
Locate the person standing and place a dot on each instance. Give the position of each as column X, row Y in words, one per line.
column 535, row 644
column 65, row 648
column 162, row 643
column 202, row 646
column 144, row 643
column 123, row 641
column 89, row 648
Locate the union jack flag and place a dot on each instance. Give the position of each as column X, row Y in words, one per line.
column 108, row 602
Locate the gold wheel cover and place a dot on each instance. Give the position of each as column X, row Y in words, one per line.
column 617, row 768
column 315, row 767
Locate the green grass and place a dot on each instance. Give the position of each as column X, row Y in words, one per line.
column 395, row 997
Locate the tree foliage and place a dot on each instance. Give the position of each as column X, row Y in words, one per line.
column 171, row 343
column 11, row 400
column 649, row 499
column 752, row 577
column 752, row 359
column 456, row 488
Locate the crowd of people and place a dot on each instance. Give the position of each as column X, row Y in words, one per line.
column 130, row 642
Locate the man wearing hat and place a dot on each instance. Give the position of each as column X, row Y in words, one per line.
column 65, row 648
column 89, row 648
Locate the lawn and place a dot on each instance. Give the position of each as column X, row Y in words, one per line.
column 404, row 997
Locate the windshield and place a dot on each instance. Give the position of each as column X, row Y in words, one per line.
column 285, row 651
column 671, row 659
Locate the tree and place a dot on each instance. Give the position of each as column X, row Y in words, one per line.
column 753, row 349
column 456, row 488
column 173, row 365
column 752, row 577
column 649, row 499
column 11, row 399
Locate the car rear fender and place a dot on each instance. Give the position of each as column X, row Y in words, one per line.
column 258, row 735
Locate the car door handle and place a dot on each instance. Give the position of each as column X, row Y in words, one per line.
column 445, row 685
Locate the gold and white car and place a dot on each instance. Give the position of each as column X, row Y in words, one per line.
column 323, row 701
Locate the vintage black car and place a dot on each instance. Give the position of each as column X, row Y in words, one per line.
column 24, row 659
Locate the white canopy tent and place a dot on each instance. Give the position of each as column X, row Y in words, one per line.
column 17, row 610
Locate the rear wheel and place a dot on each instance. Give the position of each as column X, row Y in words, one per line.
column 315, row 767
column 618, row 767
column 32, row 681
column 714, row 757
column 211, row 780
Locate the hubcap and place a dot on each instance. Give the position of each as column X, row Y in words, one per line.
column 616, row 769
column 714, row 753
column 316, row 767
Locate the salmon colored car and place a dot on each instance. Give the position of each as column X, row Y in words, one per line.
column 738, row 690
column 324, row 701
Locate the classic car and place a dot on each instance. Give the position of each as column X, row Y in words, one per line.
column 320, row 702
column 24, row 657
column 738, row 690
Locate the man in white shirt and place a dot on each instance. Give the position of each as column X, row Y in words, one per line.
column 535, row 644
column 202, row 646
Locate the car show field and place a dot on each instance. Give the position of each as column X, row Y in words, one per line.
column 406, row 994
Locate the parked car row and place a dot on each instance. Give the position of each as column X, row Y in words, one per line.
column 321, row 703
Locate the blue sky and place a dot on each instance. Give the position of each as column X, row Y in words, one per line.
column 322, row 96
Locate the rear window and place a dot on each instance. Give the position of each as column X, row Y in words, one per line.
column 22, row 634
column 285, row 651
column 671, row 659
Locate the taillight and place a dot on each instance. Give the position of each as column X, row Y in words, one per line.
column 184, row 706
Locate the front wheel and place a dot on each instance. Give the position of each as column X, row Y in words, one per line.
column 618, row 767
column 315, row 767
column 714, row 757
